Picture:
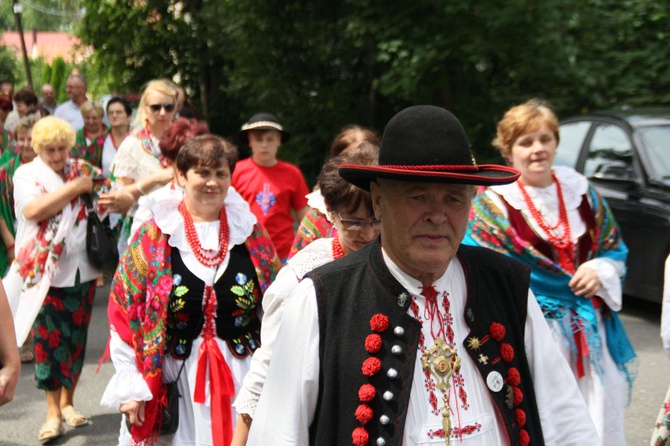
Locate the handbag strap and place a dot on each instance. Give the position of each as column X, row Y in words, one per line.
column 88, row 201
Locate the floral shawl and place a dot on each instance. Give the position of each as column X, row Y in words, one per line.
column 89, row 152
column 9, row 162
column 549, row 281
column 139, row 296
column 30, row 275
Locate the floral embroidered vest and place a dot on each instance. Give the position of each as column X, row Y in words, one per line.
column 238, row 294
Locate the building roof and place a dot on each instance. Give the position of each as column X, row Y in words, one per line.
column 46, row 44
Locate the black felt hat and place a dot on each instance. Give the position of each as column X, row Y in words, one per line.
column 428, row 144
column 263, row 121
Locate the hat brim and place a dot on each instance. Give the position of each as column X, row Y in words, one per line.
column 485, row 175
column 285, row 136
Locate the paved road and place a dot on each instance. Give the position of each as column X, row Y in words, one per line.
column 21, row 419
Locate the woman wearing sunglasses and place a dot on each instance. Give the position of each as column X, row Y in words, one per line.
column 139, row 166
column 351, row 212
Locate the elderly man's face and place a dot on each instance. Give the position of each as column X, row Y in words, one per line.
column 422, row 224
column 75, row 88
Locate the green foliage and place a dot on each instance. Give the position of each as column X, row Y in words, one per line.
column 9, row 67
column 43, row 15
column 320, row 65
column 59, row 73
column 46, row 74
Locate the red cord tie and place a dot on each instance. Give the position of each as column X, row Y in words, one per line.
column 220, row 377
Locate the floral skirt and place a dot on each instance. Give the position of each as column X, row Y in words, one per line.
column 661, row 434
column 60, row 331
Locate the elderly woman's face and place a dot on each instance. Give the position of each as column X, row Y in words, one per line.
column 24, row 144
column 93, row 122
column 159, row 108
column 55, row 155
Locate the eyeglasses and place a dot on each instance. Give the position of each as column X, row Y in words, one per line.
column 156, row 108
column 358, row 225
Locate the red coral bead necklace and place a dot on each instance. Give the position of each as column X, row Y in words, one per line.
column 564, row 242
column 337, row 249
column 205, row 256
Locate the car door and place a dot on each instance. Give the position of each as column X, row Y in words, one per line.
column 608, row 157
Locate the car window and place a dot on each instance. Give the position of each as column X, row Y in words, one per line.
column 656, row 140
column 572, row 138
column 610, row 146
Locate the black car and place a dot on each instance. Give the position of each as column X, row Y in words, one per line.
column 625, row 154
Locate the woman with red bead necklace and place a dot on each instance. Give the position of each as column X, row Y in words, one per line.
column 555, row 222
column 351, row 212
column 186, row 295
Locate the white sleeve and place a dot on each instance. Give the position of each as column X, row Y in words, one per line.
column 563, row 413
column 143, row 213
column 288, row 401
column 665, row 312
column 609, row 273
column 273, row 309
column 127, row 384
column 26, row 189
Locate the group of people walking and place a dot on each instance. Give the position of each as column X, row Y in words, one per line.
column 424, row 298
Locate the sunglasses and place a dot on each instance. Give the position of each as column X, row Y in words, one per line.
column 156, row 108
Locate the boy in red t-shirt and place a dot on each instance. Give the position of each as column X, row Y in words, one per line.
column 272, row 187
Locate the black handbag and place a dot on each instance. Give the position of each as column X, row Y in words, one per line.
column 100, row 242
column 171, row 409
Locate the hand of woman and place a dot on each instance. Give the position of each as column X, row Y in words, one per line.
column 118, row 201
column 9, row 378
column 84, row 184
column 134, row 412
column 585, row 282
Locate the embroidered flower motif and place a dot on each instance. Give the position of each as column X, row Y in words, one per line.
column 373, row 343
column 371, row 366
column 513, row 377
column 379, row 323
column 507, row 352
column 247, row 298
column 497, row 331
column 363, row 413
column 367, row 392
column 176, row 280
column 520, row 417
column 240, row 278
column 360, row 436
column 474, row 343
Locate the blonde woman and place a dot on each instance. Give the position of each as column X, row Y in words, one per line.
column 51, row 283
column 139, row 166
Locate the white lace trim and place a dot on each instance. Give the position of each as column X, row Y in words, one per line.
column 315, row 200
column 240, row 221
column 317, row 253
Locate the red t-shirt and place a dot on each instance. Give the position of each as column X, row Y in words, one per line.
column 271, row 193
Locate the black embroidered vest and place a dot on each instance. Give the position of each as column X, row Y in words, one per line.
column 238, row 294
column 352, row 290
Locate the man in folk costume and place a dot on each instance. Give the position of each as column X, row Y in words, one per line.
column 415, row 339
